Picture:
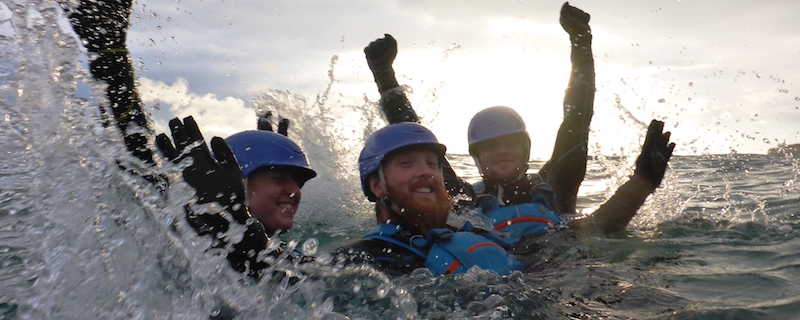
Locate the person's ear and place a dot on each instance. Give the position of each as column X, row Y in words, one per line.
column 375, row 186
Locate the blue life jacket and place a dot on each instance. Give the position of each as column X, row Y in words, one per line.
column 448, row 252
column 523, row 219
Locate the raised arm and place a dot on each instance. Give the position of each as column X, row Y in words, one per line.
column 394, row 104
column 216, row 179
column 103, row 29
column 617, row 212
column 567, row 165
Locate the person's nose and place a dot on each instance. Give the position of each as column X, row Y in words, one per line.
column 426, row 171
column 502, row 148
column 291, row 188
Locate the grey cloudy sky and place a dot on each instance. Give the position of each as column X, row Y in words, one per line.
column 722, row 75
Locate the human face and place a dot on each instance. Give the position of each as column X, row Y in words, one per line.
column 273, row 198
column 502, row 158
column 415, row 184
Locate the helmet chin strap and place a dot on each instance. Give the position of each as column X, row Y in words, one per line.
column 385, row 199
column 478, row 164
column 246, row 193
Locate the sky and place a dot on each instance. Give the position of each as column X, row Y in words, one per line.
column 722, row 75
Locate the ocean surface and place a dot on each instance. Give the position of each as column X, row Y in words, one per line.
column 81, row 239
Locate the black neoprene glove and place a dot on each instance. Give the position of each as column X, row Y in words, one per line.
column 380, row 56
column 283, row 127
column 394, row 104
column 576, row 23
column 656, row 152
column 216, row 179
column 264, row 123
column 101, row 24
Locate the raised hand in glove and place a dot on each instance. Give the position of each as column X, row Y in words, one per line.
column 381, row 53
column 380, row 56
column 265, row 123
column 576, row 23
column 656, row 152
column 216, row 179
column 101, row 24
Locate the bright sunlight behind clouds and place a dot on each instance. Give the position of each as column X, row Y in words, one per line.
column 721, row 75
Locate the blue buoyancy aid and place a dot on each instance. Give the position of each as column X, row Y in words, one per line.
column 448, row 252
column 519, row 220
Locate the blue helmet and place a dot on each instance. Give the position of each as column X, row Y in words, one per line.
column 496, row 122
column 256, row 149
column 388, row 139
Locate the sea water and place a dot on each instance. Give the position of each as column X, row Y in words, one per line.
column 80, row 238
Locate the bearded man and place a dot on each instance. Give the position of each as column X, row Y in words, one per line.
column 401, row 169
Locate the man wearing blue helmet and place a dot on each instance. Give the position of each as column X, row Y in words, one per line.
column 274, row 169
column 219, row 205
column 501, row 146
column 401, row 171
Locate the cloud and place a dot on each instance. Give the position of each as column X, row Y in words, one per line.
column 215, row 116
column 701, row 58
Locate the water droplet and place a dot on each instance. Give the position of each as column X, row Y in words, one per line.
column 382, row 291
column 310, row 247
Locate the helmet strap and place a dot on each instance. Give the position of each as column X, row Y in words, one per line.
column 246, row 193
column 385, row 199
column 500, row 195
column 523, row 172
column 382, row 179
column 478, row 164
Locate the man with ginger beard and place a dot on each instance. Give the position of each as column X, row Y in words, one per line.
column 520, row 205
column 414, row 180
column 401, row 170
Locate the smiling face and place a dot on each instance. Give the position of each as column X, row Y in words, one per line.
column 415, row 184
column 273, row 198
column 502, row 159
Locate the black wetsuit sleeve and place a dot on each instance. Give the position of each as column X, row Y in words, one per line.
column 567, row 165
column 102, row 27
column 115, row 69
column 396, row 107
column 615, row 214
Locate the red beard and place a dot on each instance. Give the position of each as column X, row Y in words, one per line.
column 420, row 213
